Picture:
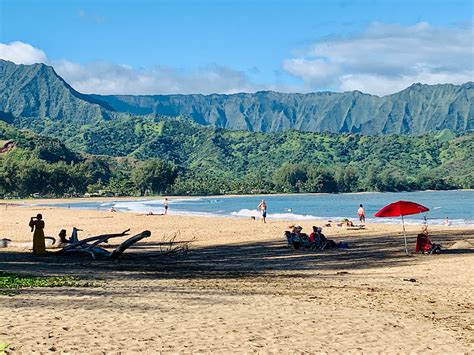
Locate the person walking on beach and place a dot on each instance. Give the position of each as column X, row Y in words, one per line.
column 262, row 207
column 37, row 226
column 166, row 205
column 361, row 213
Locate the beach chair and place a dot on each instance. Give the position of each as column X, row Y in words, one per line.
column 305, row 242
column 92, row 246
column 425, row 246
column 319, row 243
column 289, row 238
column 296, row 241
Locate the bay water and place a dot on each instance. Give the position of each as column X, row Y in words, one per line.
column 457, row 205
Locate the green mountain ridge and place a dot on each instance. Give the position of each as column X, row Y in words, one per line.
column 415, row 110
column 35, row 97
column 36, row 91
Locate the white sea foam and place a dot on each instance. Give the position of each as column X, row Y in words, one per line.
column 141, row 204
column 336, row 219
column 289, row 216
column 246, row 213
column 420, row 221
column 136, row 206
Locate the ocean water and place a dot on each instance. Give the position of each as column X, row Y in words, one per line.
column 457, row 205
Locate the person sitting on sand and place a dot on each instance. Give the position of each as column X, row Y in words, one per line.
column 295, row 237
column 317, row 236
column 425, row 245
column 314, row 234
column 62, row 238
column 113, row 209
column 37, row 227
column 321, row 239
column 295, row 229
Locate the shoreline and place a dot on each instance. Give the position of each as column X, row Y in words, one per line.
column 69, row 217
column 111, row 198
column 300, row 219
column 242, row 213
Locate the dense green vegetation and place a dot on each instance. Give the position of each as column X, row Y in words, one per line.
column 151, row 155
column 10, row 283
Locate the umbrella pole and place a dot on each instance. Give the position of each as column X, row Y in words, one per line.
column 404, row 235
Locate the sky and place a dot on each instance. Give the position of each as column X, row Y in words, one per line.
column 227, row 46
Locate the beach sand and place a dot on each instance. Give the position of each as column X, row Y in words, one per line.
column 239, row 289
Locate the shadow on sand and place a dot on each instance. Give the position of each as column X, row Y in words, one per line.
column 231, row 260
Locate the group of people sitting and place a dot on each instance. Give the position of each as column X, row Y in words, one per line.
column 316, row 240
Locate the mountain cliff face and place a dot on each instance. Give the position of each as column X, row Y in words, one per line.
column 35, row 93
column 415, row 110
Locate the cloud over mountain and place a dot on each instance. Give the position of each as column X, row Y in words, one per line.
column 22, row 53
column 109, row 78
column 387, row 58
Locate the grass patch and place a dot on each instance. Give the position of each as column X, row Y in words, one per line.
column 14, row 282
column 3, row 346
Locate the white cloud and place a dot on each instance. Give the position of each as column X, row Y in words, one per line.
column 109, row 78
column 22, row 53
column 387, row 58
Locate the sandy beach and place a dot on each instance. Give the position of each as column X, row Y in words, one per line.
column 239, row 289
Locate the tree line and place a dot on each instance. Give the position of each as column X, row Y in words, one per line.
column 174, row 156
column 24, row 176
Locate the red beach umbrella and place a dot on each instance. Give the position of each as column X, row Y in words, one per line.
column 402, row 208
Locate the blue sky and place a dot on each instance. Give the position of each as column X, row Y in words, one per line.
column 146, row 47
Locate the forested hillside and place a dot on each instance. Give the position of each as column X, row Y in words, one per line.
column 175, row 155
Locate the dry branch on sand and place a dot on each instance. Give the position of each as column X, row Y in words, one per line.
column 170, row 246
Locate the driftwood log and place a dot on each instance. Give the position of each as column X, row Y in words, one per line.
column 92, row 246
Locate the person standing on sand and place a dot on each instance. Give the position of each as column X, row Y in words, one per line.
column 37, row 226
column 262, row 207
column 361, row 213
column 166, row 205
